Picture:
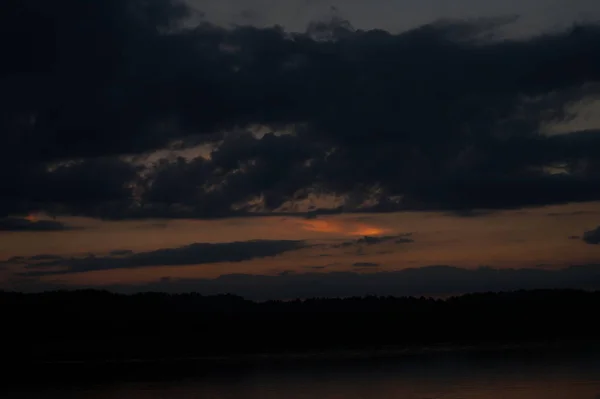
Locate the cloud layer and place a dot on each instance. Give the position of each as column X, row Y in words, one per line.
column 592, row 236
column 445, row 116
column 23, row 224
column 194, row 254
column 433, row 280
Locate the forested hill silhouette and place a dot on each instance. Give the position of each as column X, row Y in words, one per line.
column 99, row 325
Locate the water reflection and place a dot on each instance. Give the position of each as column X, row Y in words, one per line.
column 440, row 378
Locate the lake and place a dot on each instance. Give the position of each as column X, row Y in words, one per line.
column 520, row 375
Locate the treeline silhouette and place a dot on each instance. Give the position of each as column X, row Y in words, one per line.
column 99, row 325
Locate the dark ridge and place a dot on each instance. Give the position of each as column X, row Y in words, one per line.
column 99, row 326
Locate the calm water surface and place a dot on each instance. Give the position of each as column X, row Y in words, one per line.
column 449, row 377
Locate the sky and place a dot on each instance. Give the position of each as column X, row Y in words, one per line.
column 397, row 15
column 280, row 149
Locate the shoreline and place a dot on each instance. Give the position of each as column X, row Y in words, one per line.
column 386, row 352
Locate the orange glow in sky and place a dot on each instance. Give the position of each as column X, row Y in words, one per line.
column 31, row 218
column 342, row 227
column 368, row 231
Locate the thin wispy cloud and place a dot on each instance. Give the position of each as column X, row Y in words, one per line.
column 194, row 254
column 15, row 224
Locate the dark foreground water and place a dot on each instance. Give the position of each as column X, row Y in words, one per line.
column 450, row 376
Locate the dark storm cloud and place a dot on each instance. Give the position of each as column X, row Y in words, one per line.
column 433, row 280
column 75, row 71
column 92, row 187
column 75, row 83
column 19, row 224
column 592, row 236
column 193, row 254
column 441, row 116
column 241, row 169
